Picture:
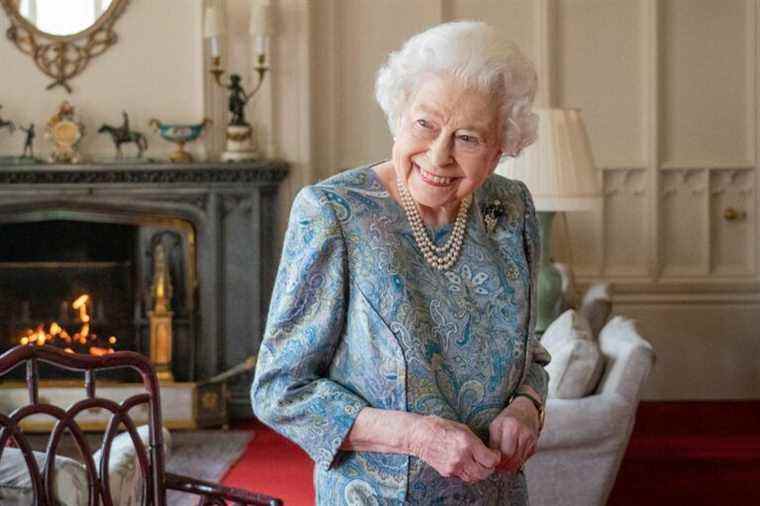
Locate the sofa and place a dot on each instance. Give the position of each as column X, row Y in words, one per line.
column 584, row 439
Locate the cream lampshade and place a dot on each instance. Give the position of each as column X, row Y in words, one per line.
column 559, row 167
column 560, row 174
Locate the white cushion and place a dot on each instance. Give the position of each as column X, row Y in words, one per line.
column 70, row 482
column 124, row 476
column 70, row 489
column 577, row 364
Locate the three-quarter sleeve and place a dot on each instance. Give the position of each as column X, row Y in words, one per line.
column 536, row 376
column 291, row 390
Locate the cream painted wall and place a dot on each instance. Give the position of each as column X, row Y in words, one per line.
column 155, row 70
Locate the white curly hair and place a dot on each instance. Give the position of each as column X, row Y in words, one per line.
column 473, row 52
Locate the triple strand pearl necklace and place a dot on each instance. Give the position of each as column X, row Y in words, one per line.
column 438, row 257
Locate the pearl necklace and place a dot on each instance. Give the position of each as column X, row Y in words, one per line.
column 438, row 257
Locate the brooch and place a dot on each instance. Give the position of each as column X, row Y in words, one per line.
column 491, row 213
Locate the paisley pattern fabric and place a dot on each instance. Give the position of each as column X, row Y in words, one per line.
column 358, row 318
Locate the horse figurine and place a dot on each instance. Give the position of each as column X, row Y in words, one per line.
column 7, row 124
column 123, row 135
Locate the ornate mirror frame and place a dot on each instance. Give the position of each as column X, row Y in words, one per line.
column 63, row 57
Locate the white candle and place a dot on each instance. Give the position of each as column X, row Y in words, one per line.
column 215, row 49
column 261, row 44
column 261, row 18
column 213, row 23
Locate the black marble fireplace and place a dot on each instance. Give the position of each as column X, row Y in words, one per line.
column 68, row 230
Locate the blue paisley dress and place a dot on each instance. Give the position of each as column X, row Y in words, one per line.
column 358, row 318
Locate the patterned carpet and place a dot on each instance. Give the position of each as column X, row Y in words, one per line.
column 206, row 455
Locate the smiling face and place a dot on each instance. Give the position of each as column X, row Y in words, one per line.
column 447, row 143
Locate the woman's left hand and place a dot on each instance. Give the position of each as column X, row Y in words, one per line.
column 515, row 433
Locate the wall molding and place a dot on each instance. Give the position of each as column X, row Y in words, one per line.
column 706, row 164
column 634, row 290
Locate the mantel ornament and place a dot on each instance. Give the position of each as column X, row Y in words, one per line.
column 62, row 56
column 180, row 134
column 65, row 130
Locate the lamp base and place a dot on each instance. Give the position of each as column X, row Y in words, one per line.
column 239, row 145
column 549, row 278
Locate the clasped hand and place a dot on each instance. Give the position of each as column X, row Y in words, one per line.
column 515, row 433
column 452, row 449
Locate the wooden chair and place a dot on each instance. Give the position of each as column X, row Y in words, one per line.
column 151, row 459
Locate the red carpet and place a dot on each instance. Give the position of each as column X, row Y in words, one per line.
column 693, row 453
column 680, row 453
column 273, row 465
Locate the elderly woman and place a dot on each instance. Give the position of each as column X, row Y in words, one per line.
column 399, row 350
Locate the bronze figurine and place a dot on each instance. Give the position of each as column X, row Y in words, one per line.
column 7, row 124
column 238, row 100
column 29, row 141
column 123, row 135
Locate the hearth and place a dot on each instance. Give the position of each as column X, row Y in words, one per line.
column 100, row 231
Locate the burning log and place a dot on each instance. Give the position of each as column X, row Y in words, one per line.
column 56, row 334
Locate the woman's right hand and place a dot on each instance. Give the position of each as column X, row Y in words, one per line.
column 451, row 448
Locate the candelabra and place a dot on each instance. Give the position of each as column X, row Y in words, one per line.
column 239, row 138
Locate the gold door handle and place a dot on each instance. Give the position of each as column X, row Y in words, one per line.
column 731, row 214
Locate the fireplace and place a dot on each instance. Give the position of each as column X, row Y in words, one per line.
column 86, row 285
column 70, row 281
column 69, row 231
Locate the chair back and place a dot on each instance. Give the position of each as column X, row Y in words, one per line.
column 151, row 459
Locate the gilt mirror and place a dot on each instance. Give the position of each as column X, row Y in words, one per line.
column 62, row 36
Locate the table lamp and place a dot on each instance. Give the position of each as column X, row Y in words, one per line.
column 560, row 174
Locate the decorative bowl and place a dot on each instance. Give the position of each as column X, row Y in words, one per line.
column 180, row 135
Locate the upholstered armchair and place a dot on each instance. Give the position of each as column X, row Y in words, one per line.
column 126, row 470
column 584, row 439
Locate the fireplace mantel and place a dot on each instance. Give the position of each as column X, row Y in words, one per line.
column 229, row 211
column 265, row 172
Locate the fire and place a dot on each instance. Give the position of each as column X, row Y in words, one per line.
column 56, row 334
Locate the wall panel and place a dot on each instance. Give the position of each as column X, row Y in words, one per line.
column 626, row 234
column 599, row 71
column 705, row 89
column 704, row 350
column 367, row 32
column 732, row 234
column 515, row 18
column 685, row 233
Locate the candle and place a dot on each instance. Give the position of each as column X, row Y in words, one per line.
column 213, row 29
column 215, row 49
column 261, row 18
column 213, row 23
column 261, row 44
